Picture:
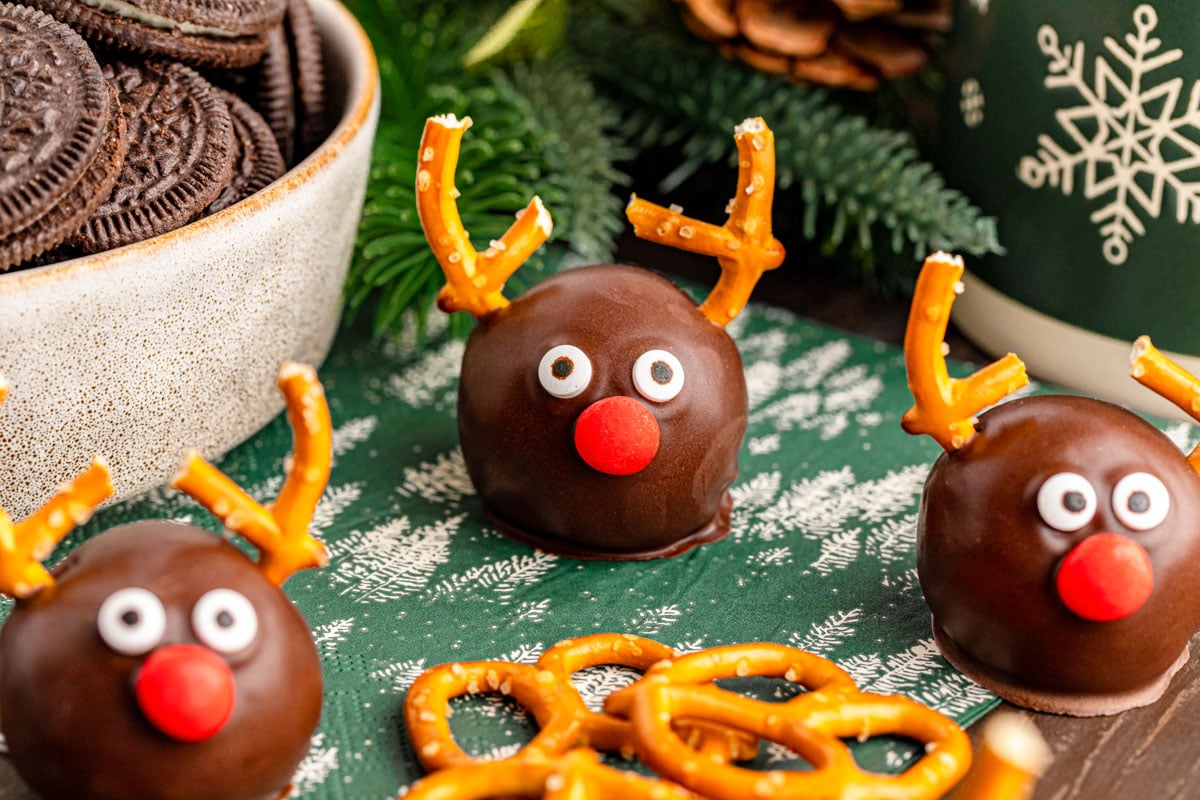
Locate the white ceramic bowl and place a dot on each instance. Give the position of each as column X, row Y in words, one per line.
column 139, row 353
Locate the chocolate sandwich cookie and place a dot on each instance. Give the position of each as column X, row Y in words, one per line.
column 268, row 87
column 218, row 33
column 309, row 71
column 288, row 86
column 62, row 136
column 256, row 157
column 180, row 154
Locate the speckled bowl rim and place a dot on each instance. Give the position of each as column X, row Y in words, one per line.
column 362, row 78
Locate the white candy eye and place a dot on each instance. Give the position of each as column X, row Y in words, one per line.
column 131, row 621
column 1140, row 501
column 565, row 371
column 1066, row 501
column 658, row 375
column 225, row 620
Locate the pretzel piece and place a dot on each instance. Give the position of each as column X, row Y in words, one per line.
column 474, row 281
column 945, row 407
column 281, row 533
column 743, row 246
column 543, row 693
column 1012, row 756
column 811, row 724
column 575, row 775
column 1154, row 370
column 24, row 545
column 546, row 691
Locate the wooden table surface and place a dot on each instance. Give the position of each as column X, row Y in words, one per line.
column 1152, row 753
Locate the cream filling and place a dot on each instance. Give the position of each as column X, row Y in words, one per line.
column 130, row 11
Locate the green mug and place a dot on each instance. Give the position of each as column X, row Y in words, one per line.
column 1077, row 124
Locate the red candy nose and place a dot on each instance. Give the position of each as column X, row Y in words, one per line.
column 186, row 691
column 1105, row 577
column 617, row 435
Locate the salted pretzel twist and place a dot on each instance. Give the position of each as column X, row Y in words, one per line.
column 812, row 725
column 545, row 689
column 681, row 725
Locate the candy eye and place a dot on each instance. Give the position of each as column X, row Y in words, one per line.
column 565, row 371
column 131, row 621
column 1066, row 501
column 1140, row 501
column 225, row 620
column 658, row 375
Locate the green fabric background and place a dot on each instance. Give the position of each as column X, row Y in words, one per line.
column 821, row 554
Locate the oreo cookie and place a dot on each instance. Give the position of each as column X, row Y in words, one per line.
column 288, row 86
column 308, row 67
column 256, row 157
column 62, row 134
column 216, row 33
column 179, row 158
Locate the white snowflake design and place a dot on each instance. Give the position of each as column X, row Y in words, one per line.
column 1129, row 135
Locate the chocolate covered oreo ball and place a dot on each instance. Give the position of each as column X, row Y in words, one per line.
column 1057, row 539
column 157, row 661
column 601, row 415
column 1057, row 551
column 160, row 664
column 601, row 412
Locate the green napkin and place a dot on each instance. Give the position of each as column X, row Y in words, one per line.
column 820, row 556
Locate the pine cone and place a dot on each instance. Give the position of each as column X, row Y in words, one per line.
column 854, row 44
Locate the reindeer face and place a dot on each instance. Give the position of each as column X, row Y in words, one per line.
column 601, row 414
column 158, row 660
column 171, row 660
column 1057, row 538
column 1057, row 547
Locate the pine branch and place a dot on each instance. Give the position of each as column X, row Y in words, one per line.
column 528, row 139
column 857, row 187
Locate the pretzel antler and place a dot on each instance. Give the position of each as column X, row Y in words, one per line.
column 474, row 280
column 945, row 407
column 25, row 544
column 743, row 246
column 1152, row 369
column 281, row 534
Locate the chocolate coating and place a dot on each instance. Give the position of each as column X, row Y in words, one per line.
column 66, row 700
column 517, row 439
column 987, row 562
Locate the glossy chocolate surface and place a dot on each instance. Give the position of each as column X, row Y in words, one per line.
column 66, row 699
column 517, row 439
column 987, row 562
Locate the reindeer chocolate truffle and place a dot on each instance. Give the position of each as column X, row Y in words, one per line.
column 1057, row 539
column 601, row 413
column 157, row 660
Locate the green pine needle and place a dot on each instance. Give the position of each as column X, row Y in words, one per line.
column 525, row 141
column 852, row 187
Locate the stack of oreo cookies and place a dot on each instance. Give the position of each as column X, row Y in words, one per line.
column 124, row 119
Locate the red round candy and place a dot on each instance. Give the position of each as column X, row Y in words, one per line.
column 617, row 435
column 186, row 691
column 1105, row 577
